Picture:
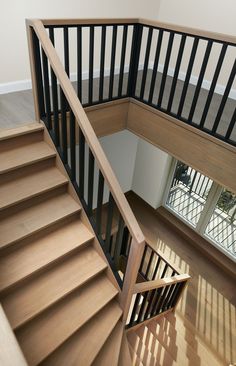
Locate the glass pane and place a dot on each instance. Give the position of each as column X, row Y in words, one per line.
column 188, row 193
column 222, row 225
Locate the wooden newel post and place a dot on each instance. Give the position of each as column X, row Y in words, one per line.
column 133, row 264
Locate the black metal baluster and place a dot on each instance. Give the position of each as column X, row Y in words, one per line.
column 177, row 292
column 38, row 69
column 46, row 90
column 113, row 58
column 79, row 63
column 155, row 66
column 109, row 222
column 159, row 308
column 149, row 266
column 164, row 270
column 63, row 126
column 102, row 62
column 135, row 310
column 72, row 146
column 134, row 59
column 122, row 60
column 90, row 183
column 91, row 61
column 231, row 126
column 99, row 203
column 146, row 61
column 150, row 304
column 176, row 73
column 157, row 300
column 165, row 70
column 143, row 306
column 66, row 51
column 225, row 97
column 54, row 98
column 213, row 85
column 200, row 80
column 156, row 268
column 188, row 76
column 118, row 243
column 143, row 259
column 81, row 163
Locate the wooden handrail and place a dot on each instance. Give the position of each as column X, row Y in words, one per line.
column 153, row 23
column 87, row 130
column 151, row 285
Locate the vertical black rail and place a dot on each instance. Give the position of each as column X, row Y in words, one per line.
column 81, row 162
column 213, row 85
column 166, row 67
column 63, row 126
column 91, row 64
column 38, row 72
column 113, row 60
column 90, row 183
column 102, row 62
column 225, row 97
column 176, row 72
column 66, row 51
column 109, row 222
column 146, row 62
column 200, row 80
column 231, row 126
column 79, row 62
column 99, row 203
column 134, row 58
column 188, row 76
column 46, row 89
column 118, row 243
column 54, row 98
column 72, row 147
column 155, row 66
column 122, row 60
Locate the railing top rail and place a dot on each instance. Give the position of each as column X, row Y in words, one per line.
column 152, row 285
column 87, row 130
column 220, row 37
column 162, row 257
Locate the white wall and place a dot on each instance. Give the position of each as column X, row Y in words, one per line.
column 150, row 173
column 13, row 42
column 138, row 165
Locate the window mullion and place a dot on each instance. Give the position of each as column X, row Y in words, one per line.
column 209, row 207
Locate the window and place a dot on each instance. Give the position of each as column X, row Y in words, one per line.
column 204, row 205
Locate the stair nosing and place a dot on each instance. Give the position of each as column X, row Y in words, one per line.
column 50, row 305
column 46, row 266
column 33, row 195
column 38, row 127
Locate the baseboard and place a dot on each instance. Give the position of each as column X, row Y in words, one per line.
column 20, row 85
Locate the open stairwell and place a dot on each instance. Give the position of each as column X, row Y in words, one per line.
column 56, row 288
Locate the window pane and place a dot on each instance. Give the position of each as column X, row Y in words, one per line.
column 188, row 193
column 222, row 225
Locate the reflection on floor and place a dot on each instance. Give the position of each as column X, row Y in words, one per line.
column 206, row 316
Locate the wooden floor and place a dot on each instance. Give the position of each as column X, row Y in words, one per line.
column 208, row 307
column 17, row 108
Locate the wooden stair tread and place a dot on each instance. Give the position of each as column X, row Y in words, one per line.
column 36, row 253
column 27, row 183
column 109, row 354
column 125, row 357
column 40, row 337
column 84, row 345
column 7, row 133
column 39, row 293
column 24, row 155
column 17, row 225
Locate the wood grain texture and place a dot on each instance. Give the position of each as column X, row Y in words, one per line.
column 85, row 344
column 30, row 217
column 109, row 355
column 150, row 285
column 11, row 354
column 6, row 134
column 42, row 251
column 33, row 297
column 57, row 324
column 195, row 148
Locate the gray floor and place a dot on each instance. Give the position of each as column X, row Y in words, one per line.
column 17, row 108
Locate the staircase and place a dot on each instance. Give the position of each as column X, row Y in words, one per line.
column 56, row 287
